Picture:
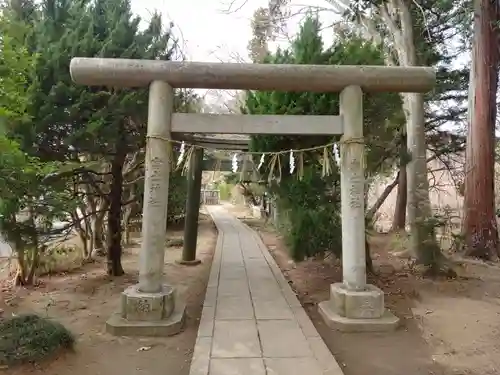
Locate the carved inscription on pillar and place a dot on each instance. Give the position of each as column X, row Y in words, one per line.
column 356, row 188
column 155, row 181
column 366, row 309
column 143, row 305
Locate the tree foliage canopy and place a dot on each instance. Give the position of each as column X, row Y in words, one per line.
column 75, row 143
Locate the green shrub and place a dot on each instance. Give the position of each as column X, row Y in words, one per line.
column 309, row 214
column 177, row 195
column 313, row 231
column 29, row 338
column 225, row 191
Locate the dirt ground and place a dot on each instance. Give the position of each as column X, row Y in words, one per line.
column 83, row 300
column 449, row 327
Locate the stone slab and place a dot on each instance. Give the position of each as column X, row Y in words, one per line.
column 233, row 288
column 388, row 321
column 324, row 356
column 118, row 326
column 234, row 307
column 305, row 323
column 235, row 339
column 206, row 327
column 237, row 366
column 234, row 272
column 282, row 338
column 292, row 366
column 262, row 290
column 272, row 309
column 231, row 261
column 201, row 356
column 210, row 296
column 257, row 272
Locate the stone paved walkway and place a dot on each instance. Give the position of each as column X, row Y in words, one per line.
column 252, row 322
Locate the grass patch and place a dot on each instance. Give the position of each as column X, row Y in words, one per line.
column 30, row 338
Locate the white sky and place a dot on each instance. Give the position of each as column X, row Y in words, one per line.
column 211, row 34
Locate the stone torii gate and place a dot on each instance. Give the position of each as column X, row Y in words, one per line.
column 150, row 308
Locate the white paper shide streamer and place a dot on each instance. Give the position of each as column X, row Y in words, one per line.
column 235, row 163
column 182, row 153
column 292, row 162
column 261, row 162
column 336, row 153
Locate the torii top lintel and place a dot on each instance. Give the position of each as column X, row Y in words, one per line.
column 235, row 76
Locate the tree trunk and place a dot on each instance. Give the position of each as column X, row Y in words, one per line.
column 127, row 215
column 22, row 271
column 82, row 232
column 382, row 198
column 114, row 216
column 422, row 238
column 480, row 227
column 34, row 264
column 34, row 251
column 399, row 219
column 98, row 228
column 126, row 227
column 89, row 238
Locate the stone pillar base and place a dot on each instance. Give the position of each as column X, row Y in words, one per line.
column 148, row 314
column 357, row 311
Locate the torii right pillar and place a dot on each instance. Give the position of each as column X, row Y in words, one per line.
column 354, row 305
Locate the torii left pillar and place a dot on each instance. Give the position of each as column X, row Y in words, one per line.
column 151, row 308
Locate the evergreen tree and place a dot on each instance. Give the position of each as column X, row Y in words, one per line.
column 70, row 121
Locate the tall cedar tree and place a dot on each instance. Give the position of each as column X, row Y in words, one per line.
column 480, row 224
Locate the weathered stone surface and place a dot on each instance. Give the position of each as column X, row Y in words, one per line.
column 313, row 78
column 206, row 327
column 156, row 182
column 200, row 364
column 272, row 309
column 234, row 307
column 292, row 366
column 139, row 306
column 367, row 304
column 388, row 321
column 118, row 326
column 277, row 336
column 237, row 366
column 352, row 189
column 236, row 339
